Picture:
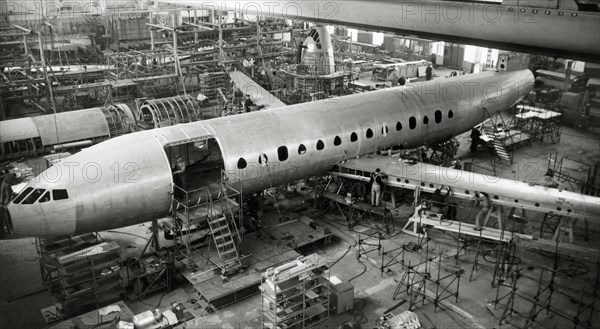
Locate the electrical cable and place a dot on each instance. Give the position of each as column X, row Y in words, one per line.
column 344, row 255
column 363, row 271
column 160, row 300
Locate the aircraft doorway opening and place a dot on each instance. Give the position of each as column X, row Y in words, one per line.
column 196, row 165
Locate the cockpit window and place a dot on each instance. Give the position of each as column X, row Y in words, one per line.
column 23, row 195
column 45, row 197
column 34, row 196
column 60, row 195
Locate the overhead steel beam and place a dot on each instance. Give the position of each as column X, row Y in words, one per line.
column 554, row 32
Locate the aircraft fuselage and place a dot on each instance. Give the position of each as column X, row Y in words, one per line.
column 128, row 179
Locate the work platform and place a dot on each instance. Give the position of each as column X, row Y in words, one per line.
column 355, row 212
column 422, row 221
column 204, row 210
column 261, row 250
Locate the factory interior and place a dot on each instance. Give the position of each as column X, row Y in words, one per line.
column 193, row 209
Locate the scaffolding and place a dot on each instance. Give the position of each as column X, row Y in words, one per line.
column 582, row 177
column 215, row 217
column 140, row 63
column 297, row 87
column 532, row 304
column 539, row 122
column 416, row 279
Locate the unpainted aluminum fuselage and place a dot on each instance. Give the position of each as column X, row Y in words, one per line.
column 128, row 179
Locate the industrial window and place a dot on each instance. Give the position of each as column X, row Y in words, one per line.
column 282, row 153
column 384, row 130
column 301, row 149
column 34, row 196
column 263, row 159
column 23, row 195
column 412, row 123
column 353, row 137
column 369, row 133
column 242, row 163
column 60, row 195
column 320, row 145
column 438, row 116
column 450, row 114
column 337, row 141
column 398, row 126
column 425, row 120
column 45, row 197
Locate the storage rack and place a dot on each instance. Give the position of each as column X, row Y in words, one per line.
column 296, row 295
column 89, row 278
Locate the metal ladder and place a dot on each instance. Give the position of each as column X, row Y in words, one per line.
column 225, row 243
column 497, row 144
column 222, row 234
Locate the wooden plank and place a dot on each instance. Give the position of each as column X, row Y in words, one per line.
column 300, row 233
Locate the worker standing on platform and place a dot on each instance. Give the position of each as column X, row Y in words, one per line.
column 429, row 72
column 483, row 201
column 475, row 139
column 179, row 173
column 402, row 80
column 376, row 184
column 394, row 80
column 438, row 201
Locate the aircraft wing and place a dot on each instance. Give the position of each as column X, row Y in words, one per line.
column 258, row 94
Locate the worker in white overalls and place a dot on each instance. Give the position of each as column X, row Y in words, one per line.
column 376, row 184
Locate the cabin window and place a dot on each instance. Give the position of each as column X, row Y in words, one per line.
column 398, row 126
column 34, row 196
column 45, row 197
column 337, row 141
column 369, row 133
column 23, row 195
column 282, row 153
column 412, row 123
column 353, row 137
column 320, row 145
column 242, row 163
column 425, row 120
column 60, row 195
column 450, row 114
column 438, row 116
column 301, row 149
column 263, row 159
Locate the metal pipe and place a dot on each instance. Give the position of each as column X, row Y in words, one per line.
column 22, row 28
